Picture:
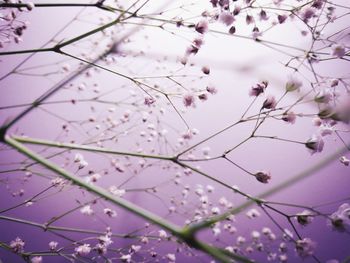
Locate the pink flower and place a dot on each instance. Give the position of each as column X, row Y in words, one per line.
column 282, row 18
column 17, row 245
column 249, row 19
column 263, row 15
column 203, row 97
column 259, row 88
column 307, row 14
column 212, row 90
column 315, row 144
column 149, row 101
column 293, row 84
column 318, row 4
column 305, row 247
column 188, row 100
column 263, row 177
column 324, row 96
column 206, row 70
column 289, row 117
column 269, row 103
column 338, row 51
column 232, row 30
column 202, row 26
column 226, row 18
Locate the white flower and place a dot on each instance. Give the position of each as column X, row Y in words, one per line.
column 87, row 210
column 115, row 191
column 171, row 257
column 109, row 212
column 17, row 245
column 253, row 213
column 126, row 258
column 344, row 160
column 53, row 245
column 162, row 234
column 36, row 260
column 83, row 250
column 315, row 144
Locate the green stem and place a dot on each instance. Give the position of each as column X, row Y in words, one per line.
column 216, row 253
column 73, row 146
column 175, row 230
column 60, row 228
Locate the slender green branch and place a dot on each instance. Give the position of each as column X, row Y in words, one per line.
column 94, row 189
column 61, row 228
column 175, row 230
column 73, row 146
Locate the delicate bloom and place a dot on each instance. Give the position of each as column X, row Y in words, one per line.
column 162, row 234
column 282, row 18
column 315, row 144
column 188, row 100
column 17, row 245
column 116, row 191
column 135, row 248
column 259, row 88
column 325, row 129
column 226, row 18
column 83, row 250
column 109, row 212
column 263, row 15
column 324, row 96
column 249, row 19
column 307, row 14
column 53, row 245
column 256, row 33
column 304, row 218
column 58, row 182
column 305, row 247
column 289, row 117
column 287, row 235
column 30, row 6
column 87, row 210
column 206, row 70
column 36, row 260
column 212, row 90
column 105, row 240
column 293, row 84
column 171, row 257
column 338, row 51
column 318, row 4
column 232, row 30
column 342, row 111
column 93, row 178
column 270, row 103
column 203, row 97
column 202, row 26
column 126, row 258
column 263, row 177
column 253, row 213
column 149, row 101
column 215, row 210
column 341, row 218
column 344, row 160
